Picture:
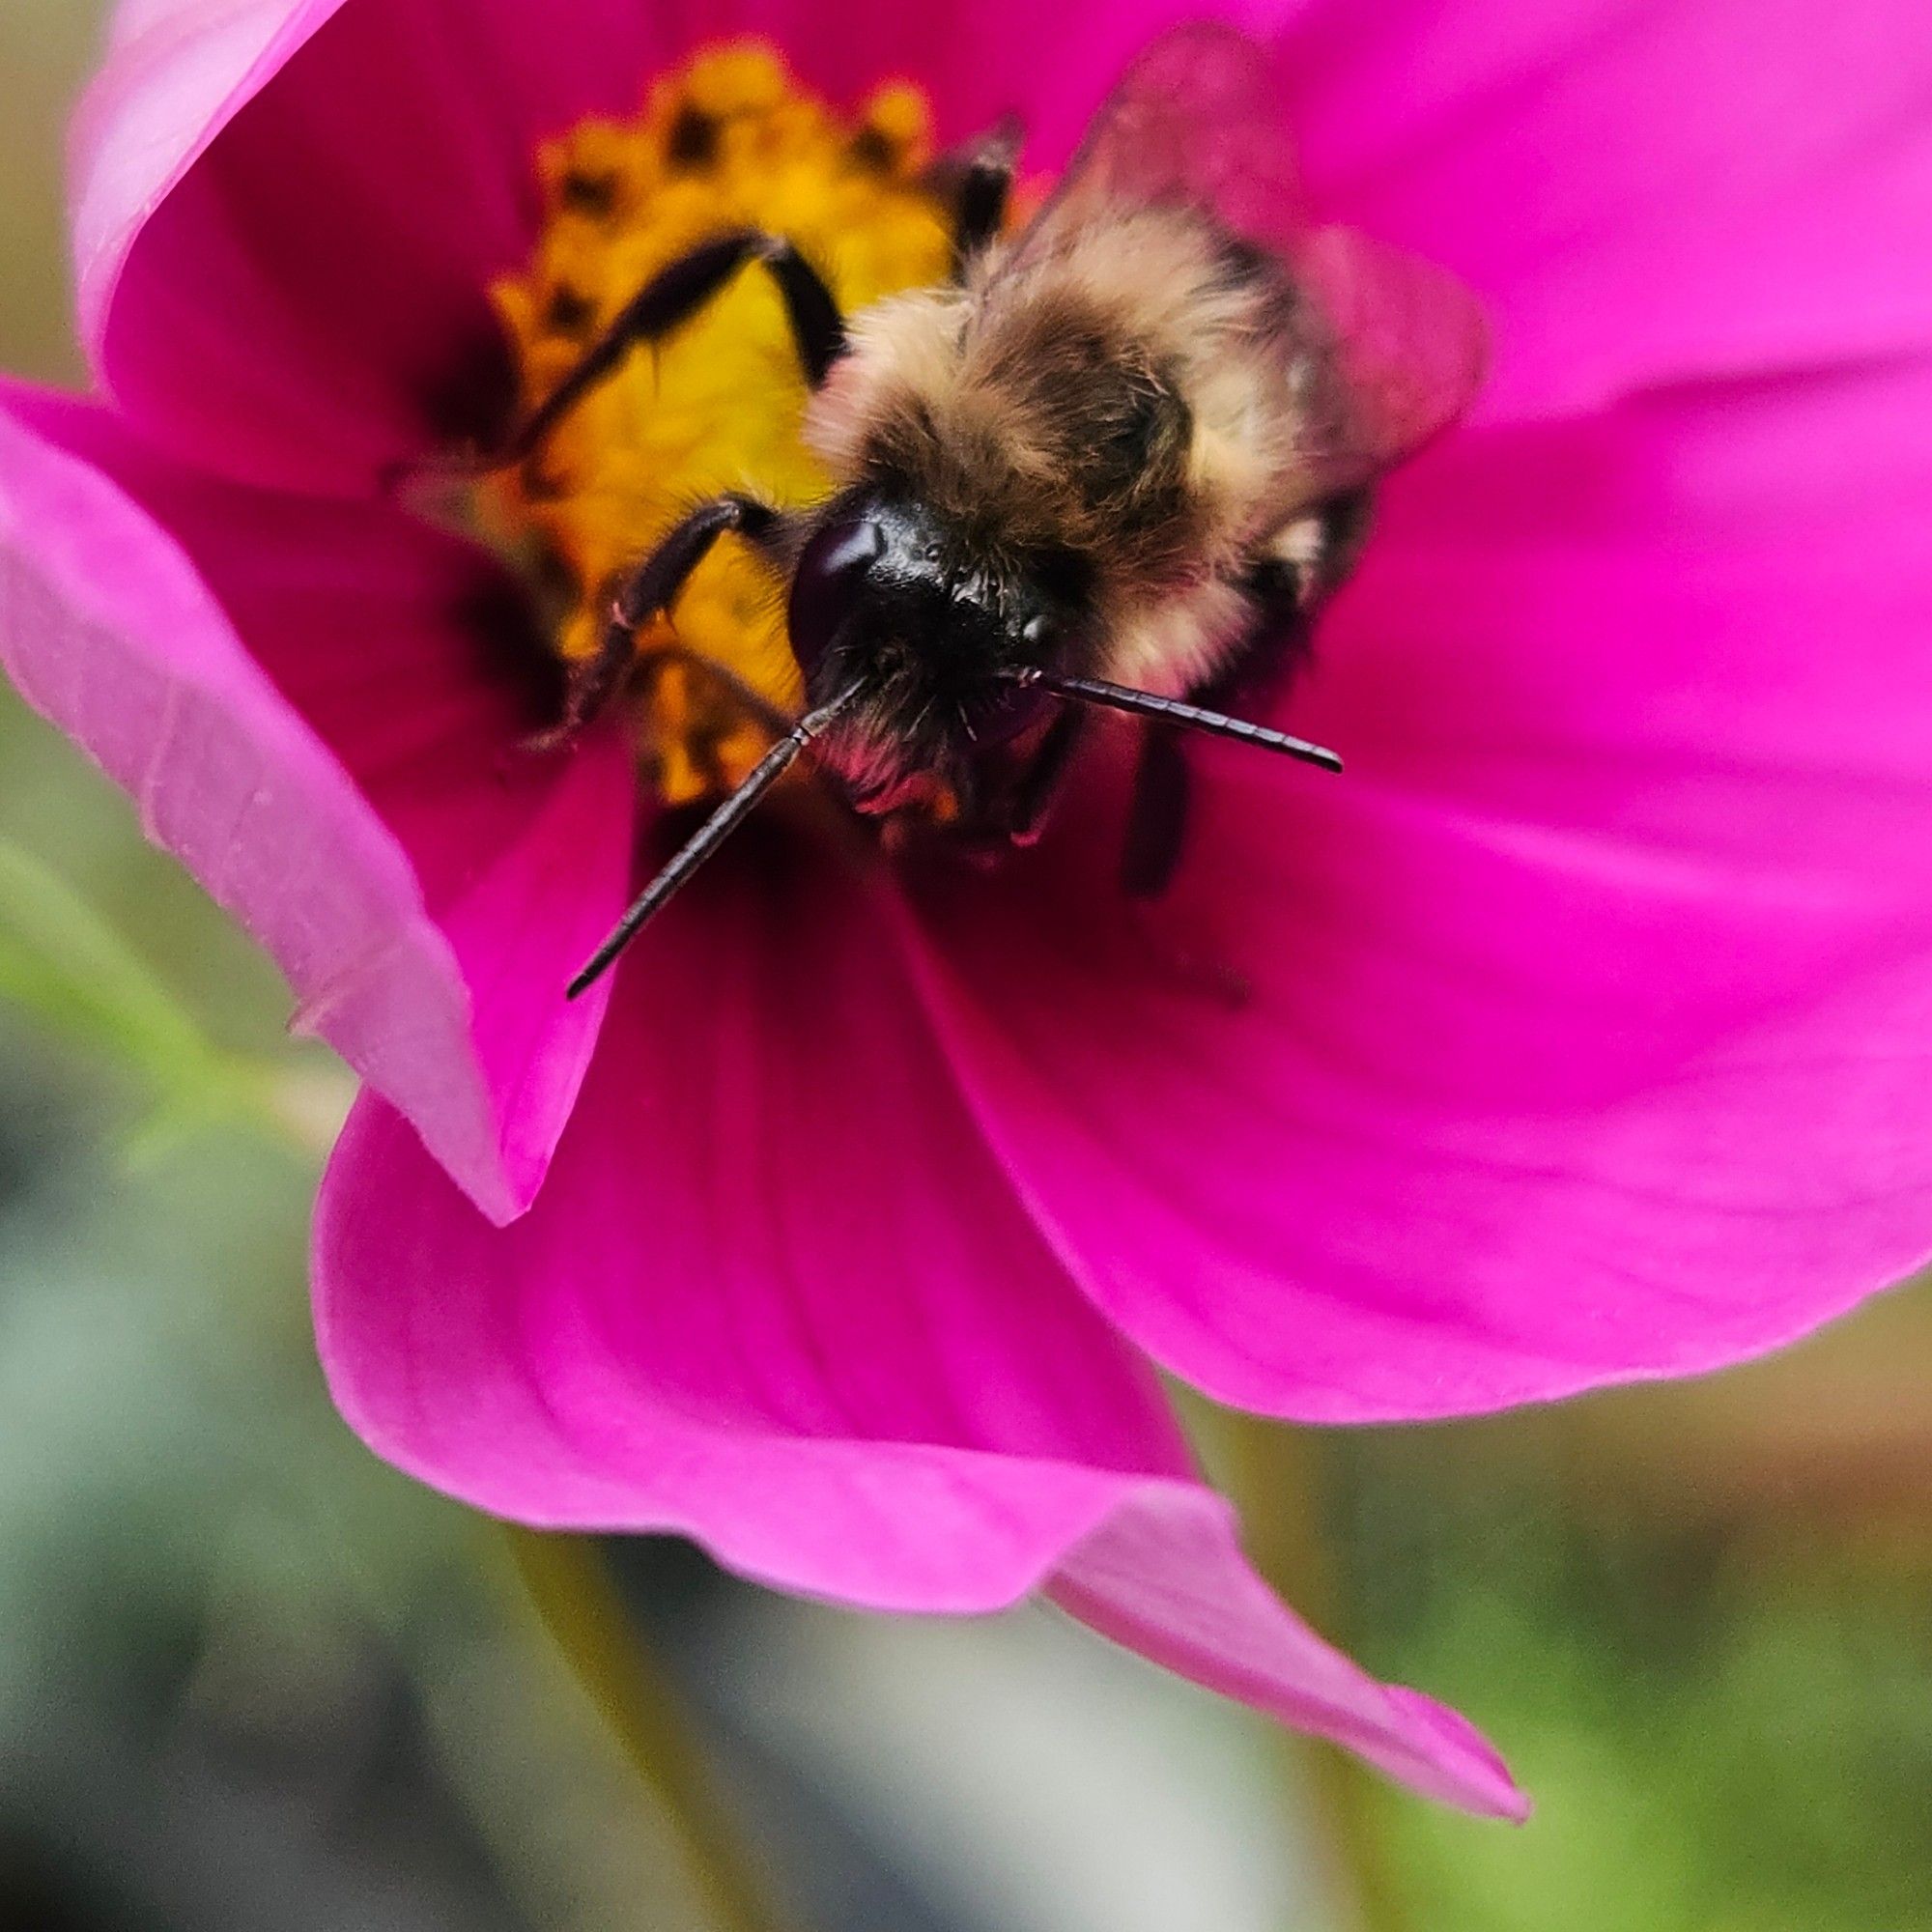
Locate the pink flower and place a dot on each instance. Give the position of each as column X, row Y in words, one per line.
column 1586, row 1022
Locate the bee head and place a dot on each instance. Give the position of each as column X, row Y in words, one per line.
column 931, row 626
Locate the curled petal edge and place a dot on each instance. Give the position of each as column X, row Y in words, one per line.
column 107, row 629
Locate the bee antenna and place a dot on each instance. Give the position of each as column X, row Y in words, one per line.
column 1174, row 711
column 709, row 835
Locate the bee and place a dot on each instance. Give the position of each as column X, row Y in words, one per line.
column 1118, row 462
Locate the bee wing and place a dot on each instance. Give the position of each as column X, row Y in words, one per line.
column 1406, row 347
column 1198, row 119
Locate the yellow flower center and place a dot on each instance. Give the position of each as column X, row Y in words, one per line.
column 729, row 142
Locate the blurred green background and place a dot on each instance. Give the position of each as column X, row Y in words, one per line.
column 251, row 1679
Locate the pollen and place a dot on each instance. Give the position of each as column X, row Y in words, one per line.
column 729, row 141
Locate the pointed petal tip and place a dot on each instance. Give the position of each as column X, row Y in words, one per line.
column 1474, row 1775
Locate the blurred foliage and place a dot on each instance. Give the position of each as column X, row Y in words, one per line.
column 238, row 1655
column 1718, row 1690
column 1767, row 1767
column 61, row 962
column 45, row 47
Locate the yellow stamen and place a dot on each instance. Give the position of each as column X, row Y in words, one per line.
column 730, row 141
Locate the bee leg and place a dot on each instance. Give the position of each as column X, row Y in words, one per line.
column 979, row 182
column 1159, row 811
column 1157, row 815
column 671, row 297
column 651, row 587
column 1287, row 589
column 1038, row 784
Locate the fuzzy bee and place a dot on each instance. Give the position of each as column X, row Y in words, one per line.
column 1118, row 462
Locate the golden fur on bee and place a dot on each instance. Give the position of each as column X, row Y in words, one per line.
column 1131, row 391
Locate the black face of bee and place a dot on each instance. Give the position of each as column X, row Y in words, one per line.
column 929, row 627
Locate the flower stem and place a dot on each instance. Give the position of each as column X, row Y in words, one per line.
column 572, row 1591
column 1275, row 1474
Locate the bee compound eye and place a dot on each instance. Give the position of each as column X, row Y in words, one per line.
column 831, row 576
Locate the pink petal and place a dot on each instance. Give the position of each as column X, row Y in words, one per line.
column 822, row 1338
column 287, row 213
column 287, row 210
column 520, row 934
column 294, row 692
column 175, row 72
column 309, row 197
column 1165, row 1576
column 1582, row 1030
column 1052, row 65
column 1715, row 186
